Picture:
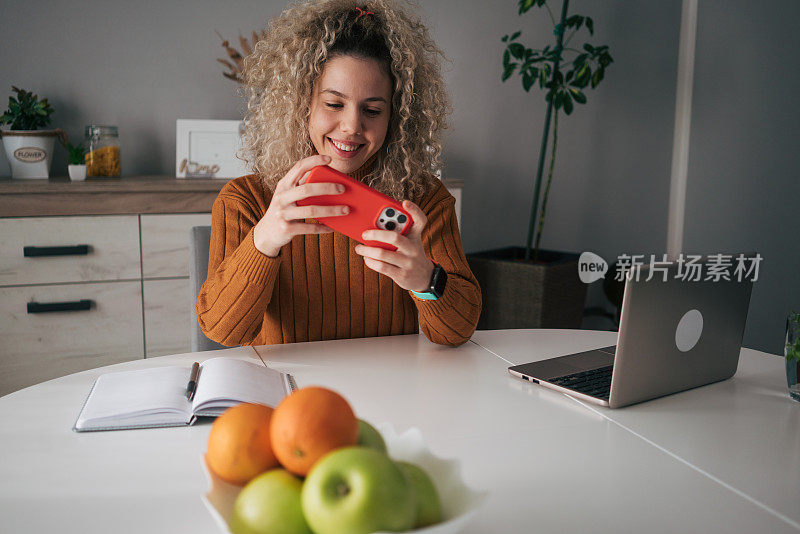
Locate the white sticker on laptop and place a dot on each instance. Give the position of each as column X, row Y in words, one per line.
column 690, row 327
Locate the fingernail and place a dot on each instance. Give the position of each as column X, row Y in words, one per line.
column 345, row 209
column 340, row 188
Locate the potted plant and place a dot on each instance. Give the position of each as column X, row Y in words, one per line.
column 77, row 162
column 529, row 287
column 29, row 149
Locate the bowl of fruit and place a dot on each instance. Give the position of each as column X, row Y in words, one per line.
column 311, row 467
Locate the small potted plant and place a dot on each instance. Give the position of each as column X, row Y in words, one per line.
column 77, row 162
column 29, row 149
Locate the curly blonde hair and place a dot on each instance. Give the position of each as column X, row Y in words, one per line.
column 279, row 77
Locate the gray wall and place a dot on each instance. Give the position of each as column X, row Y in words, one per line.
column 743, row 191
column 143, row 65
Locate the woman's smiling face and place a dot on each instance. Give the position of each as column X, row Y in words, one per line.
column 350, row 110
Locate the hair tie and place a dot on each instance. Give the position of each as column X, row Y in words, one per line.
column 362, row 12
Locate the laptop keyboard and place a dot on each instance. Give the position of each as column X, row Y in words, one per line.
column 595, row 383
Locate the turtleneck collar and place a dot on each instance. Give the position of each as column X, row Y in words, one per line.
column 365, row 169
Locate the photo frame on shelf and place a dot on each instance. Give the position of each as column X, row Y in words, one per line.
column 207, row 149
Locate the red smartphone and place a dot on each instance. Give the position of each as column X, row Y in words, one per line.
column 369, row 209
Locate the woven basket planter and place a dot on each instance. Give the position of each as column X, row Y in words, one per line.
column 522, row 294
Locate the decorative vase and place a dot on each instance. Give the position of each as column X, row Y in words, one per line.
column 77, row 173
column 30, row 152
column 523, row 294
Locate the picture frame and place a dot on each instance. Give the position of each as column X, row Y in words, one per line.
column 207, row 149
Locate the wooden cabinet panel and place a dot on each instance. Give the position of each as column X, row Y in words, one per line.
column 166, row 316
column 40, row 346
column 113, row 249
column 165, row 243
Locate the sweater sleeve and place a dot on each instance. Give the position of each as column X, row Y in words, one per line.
column 451, row 319
column 234, row 298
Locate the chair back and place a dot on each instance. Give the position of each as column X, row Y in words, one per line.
column 199, row 240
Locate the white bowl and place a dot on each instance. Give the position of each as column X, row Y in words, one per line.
column 459, row 503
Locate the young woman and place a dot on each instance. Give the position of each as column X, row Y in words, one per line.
column 355, row 86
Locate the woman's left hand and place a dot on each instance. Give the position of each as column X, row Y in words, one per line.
column 408, row 266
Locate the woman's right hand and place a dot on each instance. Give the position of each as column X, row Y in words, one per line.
column 284, row 218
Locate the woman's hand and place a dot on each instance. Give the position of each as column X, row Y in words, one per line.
column 284, row 218
column 408, row 266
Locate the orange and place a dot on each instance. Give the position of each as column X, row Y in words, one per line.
column 309, row 423
column 239, row 446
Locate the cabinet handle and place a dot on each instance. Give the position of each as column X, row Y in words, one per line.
column 76, row 305
column 77, row 250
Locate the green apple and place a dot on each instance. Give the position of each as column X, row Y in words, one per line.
column 429, row 507
column 269, row 504
column 357, row 490
column 368, row 436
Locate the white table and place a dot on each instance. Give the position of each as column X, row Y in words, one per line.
column 550, row 463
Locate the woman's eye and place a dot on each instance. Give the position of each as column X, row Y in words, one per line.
column 333, row 106
column 373, row 112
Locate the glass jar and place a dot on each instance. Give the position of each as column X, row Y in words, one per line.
column 102, row 151
column 791, row 352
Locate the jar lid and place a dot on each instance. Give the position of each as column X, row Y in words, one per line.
column 96, row 130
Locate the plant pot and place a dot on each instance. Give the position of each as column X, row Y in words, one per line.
column 522, row 294
column 30, row 152
column 77, row 173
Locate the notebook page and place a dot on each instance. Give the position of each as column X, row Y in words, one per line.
column 125, row 394
column 230, row 379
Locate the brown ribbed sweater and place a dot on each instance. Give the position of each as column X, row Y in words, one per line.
column 318, row 288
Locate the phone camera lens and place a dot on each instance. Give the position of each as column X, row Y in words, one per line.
column 401, row 218
column 390, row 212
column 390, row 225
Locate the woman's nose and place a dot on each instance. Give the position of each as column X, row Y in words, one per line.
column 351, row 122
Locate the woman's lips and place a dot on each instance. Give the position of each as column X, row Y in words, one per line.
column 343, row 153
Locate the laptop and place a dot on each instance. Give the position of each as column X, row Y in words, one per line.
column 673, row 335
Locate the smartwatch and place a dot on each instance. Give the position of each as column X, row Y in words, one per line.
column 436, row 286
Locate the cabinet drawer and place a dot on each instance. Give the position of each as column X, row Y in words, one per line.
column 32, row 249
column 40, row 346
column 166, row 316
column 165, row 243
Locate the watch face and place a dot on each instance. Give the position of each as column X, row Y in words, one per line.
column 439, row 281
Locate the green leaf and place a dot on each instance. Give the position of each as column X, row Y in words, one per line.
column 589, row 48
column 506, row 57
column 516, row 34
column 597, row 77
column 590, row 25
column 517, row 50
column 504, row 38
column 567, row 103
column 577, row 95
column 525, row 5
column 527, row 81
column 508, row 71
column 583, row 76
column 575, row 21
column 544, row 76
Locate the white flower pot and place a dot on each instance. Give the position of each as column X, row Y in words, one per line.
column 77, row 173
column 30, row 153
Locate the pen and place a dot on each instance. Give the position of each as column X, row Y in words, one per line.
column 192, row 385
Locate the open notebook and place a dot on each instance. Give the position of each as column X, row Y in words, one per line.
column 157, row 397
